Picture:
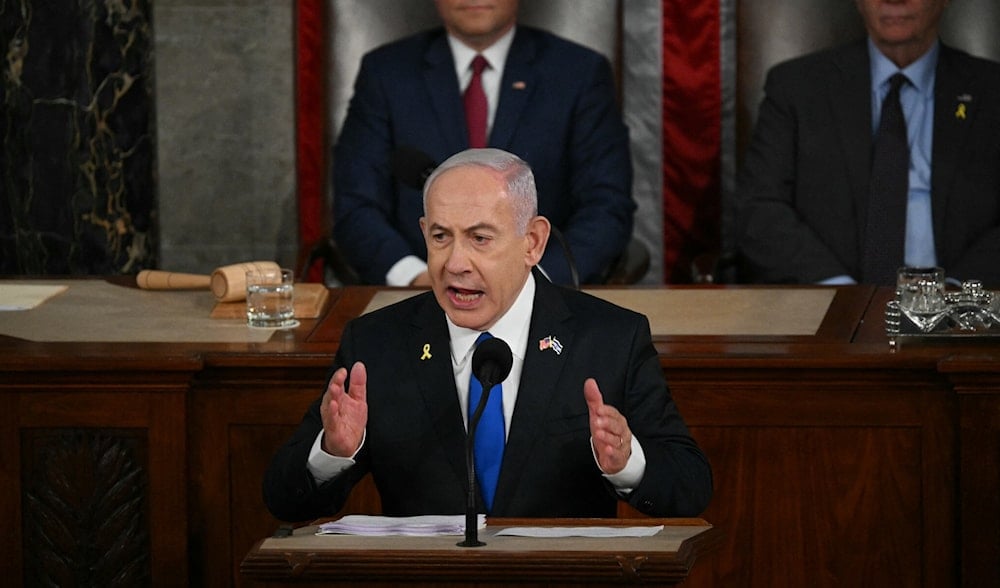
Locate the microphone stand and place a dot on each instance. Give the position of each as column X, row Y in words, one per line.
column 570, row 262
column 471, row 520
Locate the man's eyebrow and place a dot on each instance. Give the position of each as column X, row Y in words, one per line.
column 476, row 227
column 481, row 227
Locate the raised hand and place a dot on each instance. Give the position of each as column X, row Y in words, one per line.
column 345, row 412
column 609, row 431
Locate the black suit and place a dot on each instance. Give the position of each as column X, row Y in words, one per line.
column 803, row 190
column 416, row 436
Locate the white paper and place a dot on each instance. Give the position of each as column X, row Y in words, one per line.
column 645, row 531
column 26, row 296
column 423, row 525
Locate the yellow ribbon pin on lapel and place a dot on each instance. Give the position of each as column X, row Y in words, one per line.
column 427, row 352
column 960, row 111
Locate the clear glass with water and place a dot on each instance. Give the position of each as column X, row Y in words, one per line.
column 270, row 299
column 921, row 295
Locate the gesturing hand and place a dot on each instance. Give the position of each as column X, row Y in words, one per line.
column 345, row 412
column 609, row 431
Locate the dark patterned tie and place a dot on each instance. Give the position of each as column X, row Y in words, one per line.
column 489, row 442
column 885, row 231
column 476, row 107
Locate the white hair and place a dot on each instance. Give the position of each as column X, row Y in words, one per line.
column 517, row 175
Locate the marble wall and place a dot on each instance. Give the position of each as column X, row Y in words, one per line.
column 77, row 189
column 225, row 132
column 107, row 168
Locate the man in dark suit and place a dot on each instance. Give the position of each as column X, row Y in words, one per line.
column 803, row 196
column 587, row 416
column 550, row 101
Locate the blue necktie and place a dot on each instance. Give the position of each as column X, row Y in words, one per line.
column 489, row 440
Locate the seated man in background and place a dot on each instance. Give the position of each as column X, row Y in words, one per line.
column 584, row 419
column 827, row 196
column 550, row 101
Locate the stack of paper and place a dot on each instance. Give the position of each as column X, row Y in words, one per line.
column 424, row 525
column 643, row 531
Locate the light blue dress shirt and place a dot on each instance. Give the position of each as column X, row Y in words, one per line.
column 917, row 99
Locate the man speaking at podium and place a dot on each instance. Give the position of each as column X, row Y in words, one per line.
column 585, row 417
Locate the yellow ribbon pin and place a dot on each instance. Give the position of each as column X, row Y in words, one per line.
column 960, row 111
column 427, row 352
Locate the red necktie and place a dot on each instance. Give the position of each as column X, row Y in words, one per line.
column 476, row 107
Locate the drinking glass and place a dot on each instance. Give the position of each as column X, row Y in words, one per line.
column 920, row 291
column 270, row 298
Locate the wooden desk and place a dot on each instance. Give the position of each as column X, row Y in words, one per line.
column 837, row 461
column 662, row 560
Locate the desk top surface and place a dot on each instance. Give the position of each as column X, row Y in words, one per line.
column 110, row 322
column 667, row 540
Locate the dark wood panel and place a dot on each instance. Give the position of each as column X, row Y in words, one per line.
column 850, row 482
column 104, row 448
column 235, row 428
column 85, row 506
column 976, row 378
column 251, row 447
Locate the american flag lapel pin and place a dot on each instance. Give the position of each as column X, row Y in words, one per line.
column 519, row 85
column 550, row 342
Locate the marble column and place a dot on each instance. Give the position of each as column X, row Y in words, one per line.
column 77, row 187
column 225, row 93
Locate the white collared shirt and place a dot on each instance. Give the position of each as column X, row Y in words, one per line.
column 512, row 327
column 496, row 55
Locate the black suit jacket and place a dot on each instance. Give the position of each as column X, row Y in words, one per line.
column 557, row 110
column 803, row 190
column 415, row 437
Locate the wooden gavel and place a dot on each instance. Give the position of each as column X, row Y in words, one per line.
column 227, row 283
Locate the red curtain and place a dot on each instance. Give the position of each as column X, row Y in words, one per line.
column 310, row 127
column 692, row 102
column 691, row 130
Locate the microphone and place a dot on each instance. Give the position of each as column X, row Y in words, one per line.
column 411, row 166
column 491, row 363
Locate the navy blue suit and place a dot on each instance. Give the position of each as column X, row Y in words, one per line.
column 557, row 110
column 415, row 437
column 802, row 199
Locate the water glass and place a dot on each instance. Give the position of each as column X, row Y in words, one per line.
column 920, row 291
column 270, row 298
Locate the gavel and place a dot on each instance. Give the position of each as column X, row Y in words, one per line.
column 227, row 283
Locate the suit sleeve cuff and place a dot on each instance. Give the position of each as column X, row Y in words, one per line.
column 628, row 479
column 323, row 466
column 404, row 271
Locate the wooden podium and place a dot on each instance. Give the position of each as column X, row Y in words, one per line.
column 663, row 559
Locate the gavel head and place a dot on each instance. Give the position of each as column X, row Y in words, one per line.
column 229, row 282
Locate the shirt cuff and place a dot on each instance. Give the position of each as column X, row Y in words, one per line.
column 325, row 467
column 404, row 271
column 626, row 480
column 837, row 281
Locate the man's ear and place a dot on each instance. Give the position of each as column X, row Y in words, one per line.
column 535, row 239
column 423, row 225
